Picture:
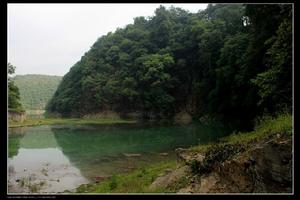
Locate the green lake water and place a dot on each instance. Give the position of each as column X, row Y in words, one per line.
column 51, row 159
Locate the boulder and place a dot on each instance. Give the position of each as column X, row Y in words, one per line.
column 169, row 178
column 183, row 118
column 132, row 154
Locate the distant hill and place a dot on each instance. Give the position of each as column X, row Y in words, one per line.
column 36, row 90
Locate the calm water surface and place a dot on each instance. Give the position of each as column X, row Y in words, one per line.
column 51, row 159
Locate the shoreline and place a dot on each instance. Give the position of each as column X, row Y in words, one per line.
column 68, row 121
column 194, row 164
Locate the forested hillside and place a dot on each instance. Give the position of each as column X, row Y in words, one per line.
column 233, row 62
column 36, row 90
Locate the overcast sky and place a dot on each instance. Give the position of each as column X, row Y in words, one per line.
column 51, row 38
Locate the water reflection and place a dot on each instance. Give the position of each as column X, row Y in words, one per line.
column 43, row 170
column 57, row 158
column 103, row 151
column 38, row 165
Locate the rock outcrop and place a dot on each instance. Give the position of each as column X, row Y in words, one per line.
column 16, row 116
column 260, row 167
column 183, row 118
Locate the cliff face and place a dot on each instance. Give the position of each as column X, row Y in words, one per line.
column 260, row 167
column 265, row 168
column 16, row 116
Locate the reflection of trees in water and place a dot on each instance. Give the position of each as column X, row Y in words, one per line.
column 14, row 137
column 30, row 138
column 103, row 148
column 17, row 131
column 39, row 139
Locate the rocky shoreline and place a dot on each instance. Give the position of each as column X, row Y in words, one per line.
column 263, row 166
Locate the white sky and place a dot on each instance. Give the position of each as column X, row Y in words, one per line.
column 51, row 38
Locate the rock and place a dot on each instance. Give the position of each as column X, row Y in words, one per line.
column 258, row 170
column 172, row 177
column 187, row 157
column 16, row 115
column 32, row 177
column 181, row 154
column 199, row 157
column 183, row 118
column 11, row 170
column 131, row 154
column 160, row 182
column 208, row 182
column 100, row 178
column 44, row 172
column 168, row 170
column 275, row 174
column 180, row 150
column 163, row 154
column 185, row 190
column 97, row 179
column 264, row 167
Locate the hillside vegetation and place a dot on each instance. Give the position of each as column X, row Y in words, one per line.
column 36, row 90
column 228, row 61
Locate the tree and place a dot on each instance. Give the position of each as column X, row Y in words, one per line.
column 13, row 91
column 275, row 84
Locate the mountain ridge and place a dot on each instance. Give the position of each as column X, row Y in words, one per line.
column 36, row 89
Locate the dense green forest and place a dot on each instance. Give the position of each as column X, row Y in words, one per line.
column 233, row 62
column 14, row 103
column 36, row 90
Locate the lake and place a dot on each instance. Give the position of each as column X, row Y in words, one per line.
column 53, row 159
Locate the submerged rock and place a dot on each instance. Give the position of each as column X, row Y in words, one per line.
column 97, row 179
column 11, row 170
column 132, row 154
column 163, row 154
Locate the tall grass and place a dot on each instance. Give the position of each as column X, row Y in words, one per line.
column 264, row 126
column 267, row 125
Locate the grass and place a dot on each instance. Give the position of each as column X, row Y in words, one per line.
column 69, row 121
column 237, row 143
column 266, row 126
column 137, row 181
